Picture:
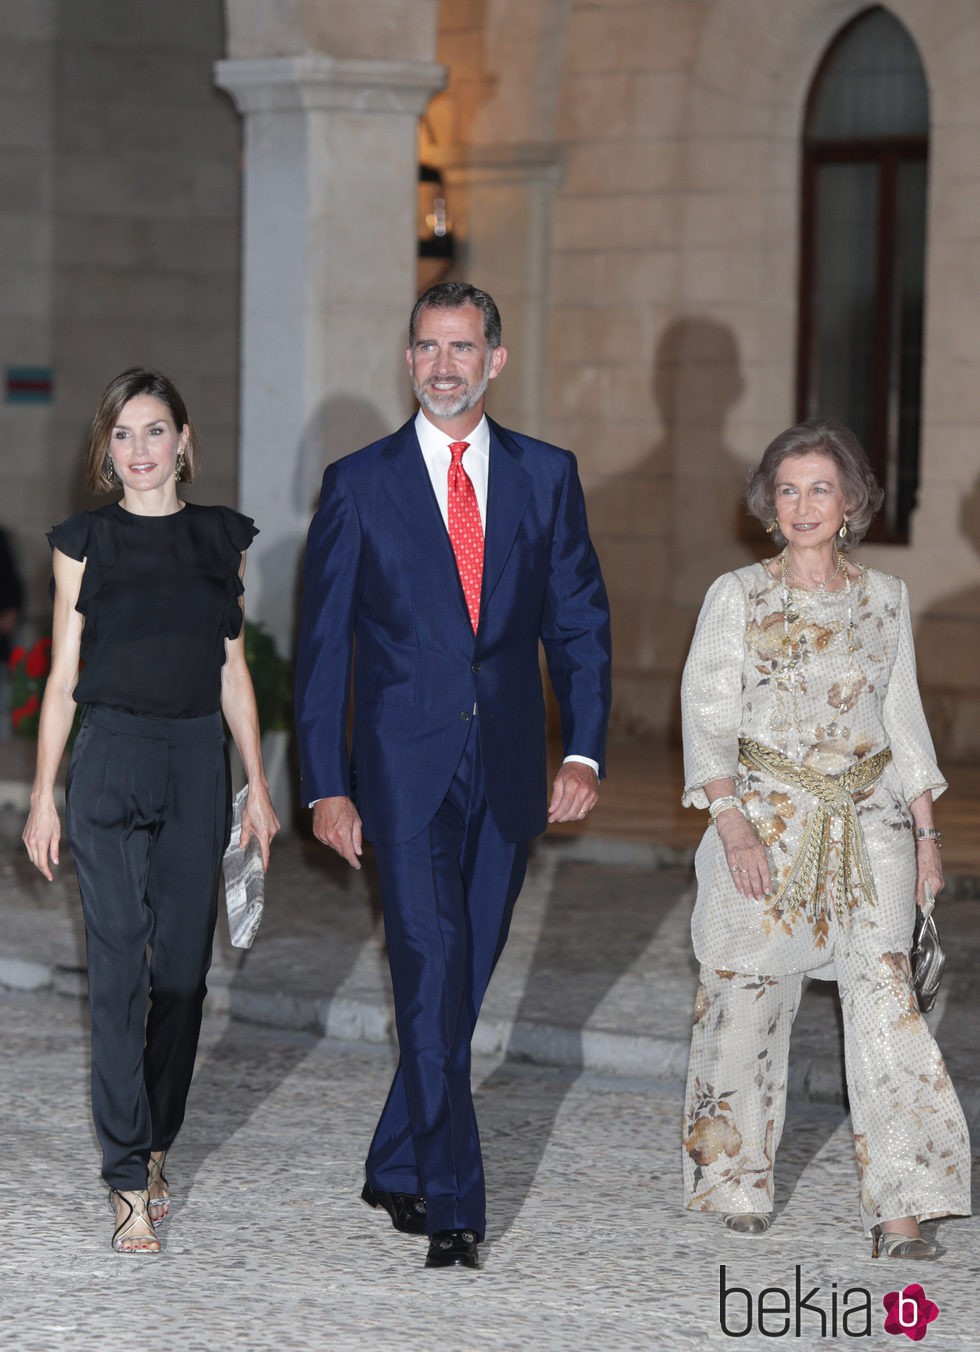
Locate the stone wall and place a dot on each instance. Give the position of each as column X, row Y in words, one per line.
column 26, row 282
column 624, row 178
column 121, row 211
column 668, row 282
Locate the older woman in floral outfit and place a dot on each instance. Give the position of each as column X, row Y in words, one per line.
column 804, row 736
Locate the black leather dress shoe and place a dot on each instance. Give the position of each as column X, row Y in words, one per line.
column 453, row 1248
column 407, row 1212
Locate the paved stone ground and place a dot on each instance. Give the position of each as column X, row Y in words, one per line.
column 583, row 1045
column 268, row 1246
column 598, row 972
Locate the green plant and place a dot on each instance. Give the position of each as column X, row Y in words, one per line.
column 271, row 677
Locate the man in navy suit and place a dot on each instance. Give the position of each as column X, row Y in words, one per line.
column 439, row 558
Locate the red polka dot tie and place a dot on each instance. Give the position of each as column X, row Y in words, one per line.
column 465, row 530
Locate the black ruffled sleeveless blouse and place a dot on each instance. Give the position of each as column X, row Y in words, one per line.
column 159, row 595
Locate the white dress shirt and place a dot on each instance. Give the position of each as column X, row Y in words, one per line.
column 438, row 457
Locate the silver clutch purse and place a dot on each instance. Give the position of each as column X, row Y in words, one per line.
column 927, row 959
column 244, row 880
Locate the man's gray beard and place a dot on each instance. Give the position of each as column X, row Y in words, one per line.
column 469, row 399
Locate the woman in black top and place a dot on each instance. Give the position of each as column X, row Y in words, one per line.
column 148, row 602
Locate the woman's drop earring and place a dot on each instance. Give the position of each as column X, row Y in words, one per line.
column 180, row 466
column 842, row 533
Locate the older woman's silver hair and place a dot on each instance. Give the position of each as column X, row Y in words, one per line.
column 861, row 491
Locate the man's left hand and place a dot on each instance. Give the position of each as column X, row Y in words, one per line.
column 575, row 793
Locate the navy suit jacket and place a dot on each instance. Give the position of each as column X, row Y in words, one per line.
column 382, row 592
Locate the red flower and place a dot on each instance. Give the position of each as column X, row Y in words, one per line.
column 16, row 657
column 909, row 1312
column 39, row 659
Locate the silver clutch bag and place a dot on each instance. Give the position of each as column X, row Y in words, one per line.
column 244, row 880
column 927, row 959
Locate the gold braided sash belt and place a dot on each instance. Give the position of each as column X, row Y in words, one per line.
column 834, row 795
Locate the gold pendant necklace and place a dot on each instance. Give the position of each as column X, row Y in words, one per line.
column 787, row 572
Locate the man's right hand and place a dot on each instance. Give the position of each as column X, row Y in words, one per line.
column 337, row 824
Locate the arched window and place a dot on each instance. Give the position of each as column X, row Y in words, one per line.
column 866, row 145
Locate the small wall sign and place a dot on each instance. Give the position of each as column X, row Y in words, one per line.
column 30, row 385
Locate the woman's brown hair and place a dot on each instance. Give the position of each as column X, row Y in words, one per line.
column 132, row 384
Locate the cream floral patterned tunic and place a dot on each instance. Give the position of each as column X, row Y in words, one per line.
column 828, row 679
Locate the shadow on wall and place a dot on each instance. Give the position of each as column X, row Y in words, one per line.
column 947, row 646
column 673, row 523
column 337, row 427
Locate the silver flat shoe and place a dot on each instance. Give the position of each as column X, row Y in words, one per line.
column 894, row 1245
column 747, row 1222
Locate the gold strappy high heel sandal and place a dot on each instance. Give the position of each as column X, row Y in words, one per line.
column 126, row 1237
column 896, row 1245
column 159, row 1207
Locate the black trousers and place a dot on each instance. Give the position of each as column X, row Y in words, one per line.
column 148, row 818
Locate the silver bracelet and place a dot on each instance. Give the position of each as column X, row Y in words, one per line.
column 929, row 833
column 720, row 805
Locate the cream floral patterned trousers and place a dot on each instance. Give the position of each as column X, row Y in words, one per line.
column 910, row 1137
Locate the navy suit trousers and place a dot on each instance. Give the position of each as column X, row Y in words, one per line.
column 448, row 895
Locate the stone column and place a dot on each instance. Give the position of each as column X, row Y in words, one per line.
column 500, row 197
column 329, row 264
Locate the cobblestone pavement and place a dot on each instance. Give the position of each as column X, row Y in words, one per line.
column 268, row 1246
column 598, row 972
column 583, row 1048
